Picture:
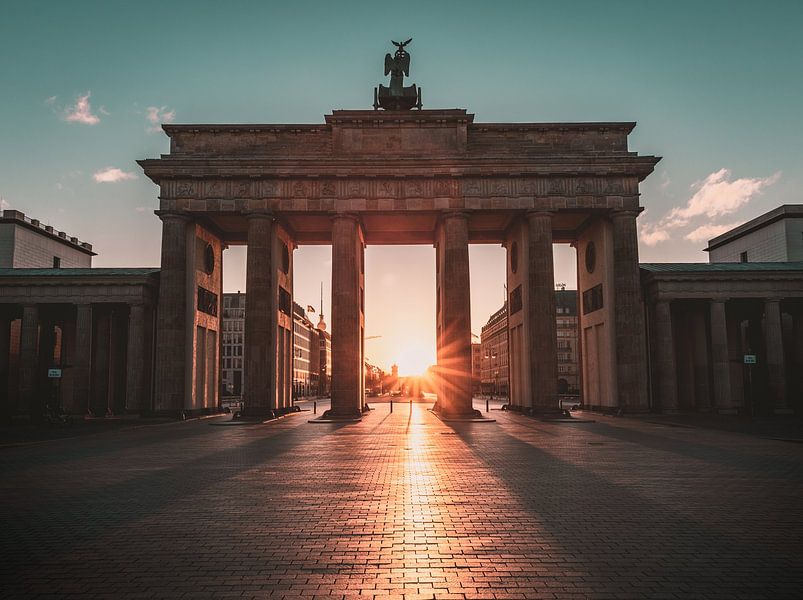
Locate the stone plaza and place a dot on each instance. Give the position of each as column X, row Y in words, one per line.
column 403, row 505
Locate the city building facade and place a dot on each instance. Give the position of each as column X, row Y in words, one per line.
column 494, row 348
column 233, row 333
column 26, row 243
column 568, row 343
column 476, row 367
column 775, row 236
column 494, row 371
column 306, row 355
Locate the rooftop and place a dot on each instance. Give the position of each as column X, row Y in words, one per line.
column 98, row 272
column 785, row 211
column 19, row 218
column 735, row 267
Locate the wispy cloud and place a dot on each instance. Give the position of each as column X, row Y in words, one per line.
column 142, row 209
column 715, row 196
column 4, row 205
column 112, row 175
column 706, row 232
column 81, row 111
column 157, row 115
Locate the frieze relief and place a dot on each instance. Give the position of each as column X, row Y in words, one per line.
column 442, row 187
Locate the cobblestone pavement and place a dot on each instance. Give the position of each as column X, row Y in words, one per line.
column 402, row 505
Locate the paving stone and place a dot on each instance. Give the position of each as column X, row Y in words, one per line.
column 404, row 506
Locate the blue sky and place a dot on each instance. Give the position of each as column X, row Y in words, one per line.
column 716, row 88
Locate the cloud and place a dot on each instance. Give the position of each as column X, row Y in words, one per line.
column 652, row 235
column 81, row 112
column 706, row 232
column 157, row 115
column 715, row 196
column 142, row 209
column 4, row 205
column 112, row 175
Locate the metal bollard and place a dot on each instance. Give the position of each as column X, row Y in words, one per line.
column 315, row 407
column 391, row 406
column 487, row 405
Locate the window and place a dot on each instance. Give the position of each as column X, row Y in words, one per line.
column 743, row 256
column 56, row 262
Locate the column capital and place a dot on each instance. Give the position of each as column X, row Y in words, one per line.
column 621, row 213
column 173, row 214
column 352, row 216
column 259, row 214
column 539, row 212
column 454, row 213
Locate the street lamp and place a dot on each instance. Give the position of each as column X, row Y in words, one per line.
column 491, row 354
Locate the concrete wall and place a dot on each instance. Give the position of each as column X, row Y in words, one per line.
column 21, row 248
column 794, row 239
column 768, row 244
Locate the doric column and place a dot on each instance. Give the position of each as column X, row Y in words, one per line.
column 259, row 364
column 723, row 401
column 797, row 341
column 665, row 368
column 776, row 366
column 136, row 397
column 454, row 316
column 82, row 353
column 702, row 392
column 29, row 351
column 173, row 321
column 5, row 346
column 631, row 350
column 347, row 317
column 541, row 314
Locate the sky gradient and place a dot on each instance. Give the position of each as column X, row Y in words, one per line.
column 716, row 89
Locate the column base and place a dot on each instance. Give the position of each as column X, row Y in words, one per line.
column 783, row 411
column 331, row 417
column 727, row 411
column 470, row 414
column 263, row 413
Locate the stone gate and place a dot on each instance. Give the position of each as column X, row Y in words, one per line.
column 407, row 177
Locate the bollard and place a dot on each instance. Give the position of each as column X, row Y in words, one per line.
column 391, row 406
column 487, row 405
column 315, row 407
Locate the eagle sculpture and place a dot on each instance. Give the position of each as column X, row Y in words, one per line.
column 397, row 96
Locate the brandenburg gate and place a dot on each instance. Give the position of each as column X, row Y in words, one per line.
column 393, row 175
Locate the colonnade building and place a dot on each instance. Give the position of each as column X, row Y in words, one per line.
column 148, row 340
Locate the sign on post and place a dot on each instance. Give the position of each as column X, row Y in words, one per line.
column 749, row 359
column 54, row 373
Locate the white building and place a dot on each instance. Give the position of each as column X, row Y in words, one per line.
column 26, row 243
column 776, row 236
column 233, row 325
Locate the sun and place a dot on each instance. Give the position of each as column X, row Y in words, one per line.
column 414, row 358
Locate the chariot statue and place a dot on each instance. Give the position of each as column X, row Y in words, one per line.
column 397, row 96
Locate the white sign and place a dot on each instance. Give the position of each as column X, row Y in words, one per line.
column 749, row 359
column 54, row 373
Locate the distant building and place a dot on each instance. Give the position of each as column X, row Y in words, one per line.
column 493, row 353
column 324, row 358
column 26, row 243
column 568, row 351
column 776, row 236
column 233, row 325
column 306, row 354
column 312, row 350
column 494, row 373
column 476, row 366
